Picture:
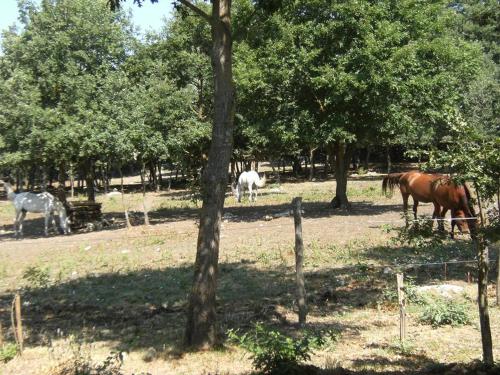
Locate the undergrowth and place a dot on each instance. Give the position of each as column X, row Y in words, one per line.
column 277, row 354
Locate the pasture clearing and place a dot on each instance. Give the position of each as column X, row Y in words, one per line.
column 125, row 290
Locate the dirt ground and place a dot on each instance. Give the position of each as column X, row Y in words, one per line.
column 124, row 290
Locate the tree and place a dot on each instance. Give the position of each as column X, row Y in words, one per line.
column 62, row 59
column 201, row 315
column 349, row 72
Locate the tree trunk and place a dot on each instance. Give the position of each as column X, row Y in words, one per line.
column 61, row 179
column 482, row 288
column 125, row 208
column 201, row 314
column 143, row 183
column 366, row 163
column 312, row 170
column 330, row 150
column 160, row 177
column 43, row 182
column 388, row 159
column 296, row 166
column 72, row 180
column 89, row 179
column 355, row 160
column 342, row 161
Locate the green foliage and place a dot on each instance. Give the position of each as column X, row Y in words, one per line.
column 8, row 352
column 275, row 353
column 37, row 277
column 441, row 312
column 411, row 293
column 419, row 234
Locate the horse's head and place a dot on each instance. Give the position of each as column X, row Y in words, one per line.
column 63, row 218
column 235, row 188
column 465, row 224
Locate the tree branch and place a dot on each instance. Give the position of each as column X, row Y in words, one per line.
column 197, row 10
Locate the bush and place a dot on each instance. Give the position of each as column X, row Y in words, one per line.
column 445, row 312
column 36, row 277
column 411, row 293
column 275, row 353
column 419, row 234
column 8, row 352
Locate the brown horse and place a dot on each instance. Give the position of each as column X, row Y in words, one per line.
column 438, row 189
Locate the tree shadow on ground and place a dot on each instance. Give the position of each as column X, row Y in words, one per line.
column 33, row 227
column 144, row 308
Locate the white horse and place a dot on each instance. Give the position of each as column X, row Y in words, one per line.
column 44, row 203
column 251, row 181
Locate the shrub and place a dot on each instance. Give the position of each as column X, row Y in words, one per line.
column 76, row 359
column 8, row 352
column 36, row 277
column 419, row 234
column 411, row 293
column 445, row 312
column 275, row 353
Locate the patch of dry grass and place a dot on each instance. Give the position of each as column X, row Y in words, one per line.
column 126, row 290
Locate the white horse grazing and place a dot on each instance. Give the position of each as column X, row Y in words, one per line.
column 44, row 203
column 249, row 180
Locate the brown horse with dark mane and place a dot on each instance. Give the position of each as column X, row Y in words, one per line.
column 438, row 189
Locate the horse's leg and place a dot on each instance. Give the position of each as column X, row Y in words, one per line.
column 52, row 216
column 250, row 193
column 453, row 223
column 47, row 218
column 440, row 214
column 16, row 223
column 20, row 222
column 415, row 206
column 405, row 206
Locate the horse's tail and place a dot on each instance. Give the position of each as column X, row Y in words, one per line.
column 391, row 180
column 261, row 182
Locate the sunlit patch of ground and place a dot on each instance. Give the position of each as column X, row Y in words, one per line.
column 125, row 290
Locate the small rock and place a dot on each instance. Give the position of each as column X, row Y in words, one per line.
column 446, row 290
column 87, row 248
column 268, row 218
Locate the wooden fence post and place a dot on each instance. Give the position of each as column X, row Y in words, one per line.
column 299, row 260
column 18, row 327
column 402, row 307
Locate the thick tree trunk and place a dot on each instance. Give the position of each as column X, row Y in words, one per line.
column 342, row 161
column 201, row 331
